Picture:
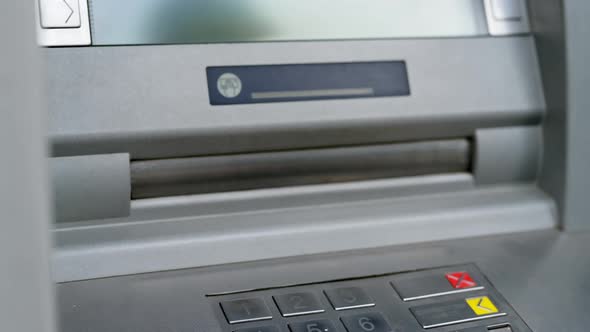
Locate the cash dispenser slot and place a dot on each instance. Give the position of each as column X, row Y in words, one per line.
column 94, row 187
column 209, row 174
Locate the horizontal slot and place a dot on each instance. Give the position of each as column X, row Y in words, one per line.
column 199, row 175
column 314, row 93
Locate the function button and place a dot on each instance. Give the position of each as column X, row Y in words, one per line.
column 425, row 284
column 369, row 322
column 296, row 304
column 455, row 312
column 259, row 329
column 245, row 310
column 482, row 305
column 322, row 325
column 460, row 280
column 506, row 9
column 349, row 298
column 59, row 13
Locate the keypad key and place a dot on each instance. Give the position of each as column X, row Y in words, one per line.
column 456, row 312
column 434, row 283
column 322, row 325
column 296, row 304
column 245, row 310
column 259, row 329
column 369, row 322
column 349, row 298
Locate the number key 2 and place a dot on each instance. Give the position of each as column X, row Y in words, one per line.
column 296, row 304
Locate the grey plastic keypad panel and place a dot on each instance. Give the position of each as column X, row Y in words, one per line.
column 446, row 299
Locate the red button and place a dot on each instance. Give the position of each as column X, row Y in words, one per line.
column 460, row 280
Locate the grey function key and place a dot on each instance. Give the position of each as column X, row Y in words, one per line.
column 432, row 283
column 456, row 312
column 245, row 310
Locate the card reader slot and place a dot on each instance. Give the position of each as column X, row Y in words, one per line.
column 199, row 175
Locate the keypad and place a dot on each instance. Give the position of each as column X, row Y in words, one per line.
column 457, row 298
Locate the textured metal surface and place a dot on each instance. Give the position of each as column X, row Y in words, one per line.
column 577, row 30
column 91, row 187
column 312, row 305
column 181, row 239
column 179, row 207
column 543, row 275
column 152, row 101
column 547, row 22
column 26, row 300
column 167, row 177
column 561, row 29
column 520, row 162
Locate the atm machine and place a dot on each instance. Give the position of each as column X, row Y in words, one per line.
column 295, row 166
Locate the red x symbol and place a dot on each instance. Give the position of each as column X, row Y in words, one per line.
column 460, row 280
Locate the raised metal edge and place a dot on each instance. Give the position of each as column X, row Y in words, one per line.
column 508, row 27
column 464, row 320
column 166, row 242
column 366, row 305
column 303, row 313
column 458, row 291
column 65, row 36
column 257, row 319
column 341, row 308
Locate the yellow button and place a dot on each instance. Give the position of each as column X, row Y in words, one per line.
column 482, row 305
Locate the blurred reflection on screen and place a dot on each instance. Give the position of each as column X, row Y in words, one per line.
column 210, row 21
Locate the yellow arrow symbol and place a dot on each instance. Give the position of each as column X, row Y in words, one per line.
column 482, row 305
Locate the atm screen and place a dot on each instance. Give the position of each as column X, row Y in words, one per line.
column 132, row 22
